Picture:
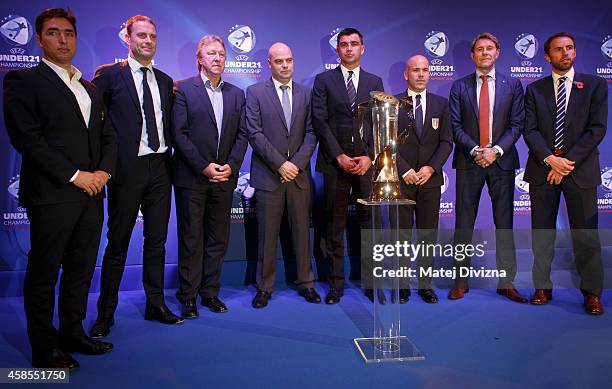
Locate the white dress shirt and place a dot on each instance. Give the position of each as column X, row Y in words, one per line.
column 78, row 90
column 215, row 95
column 491, row 85
column 568, row 84
column 279, row 91
column 137, row 75
column 423, row 102
column 345, row 75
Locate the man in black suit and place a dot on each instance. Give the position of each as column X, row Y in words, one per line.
column 210, row 139
column 56, row 121
column 344, row 158
column 566, row 118
column 140, row 113
column 487, row 115
column 279, row 122
column 419, row 162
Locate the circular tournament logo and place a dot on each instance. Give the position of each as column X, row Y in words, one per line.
column 16, row 30
column 606, row 178
column 241, row 39
column 444, row 186
column 606, row 47
column 121, row 35
column 333, row 38
column 436, row 44
column 521, row 185
column 526, row 46
column 243, row 187
column 13, row 187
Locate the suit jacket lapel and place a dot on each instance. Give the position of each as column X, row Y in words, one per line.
column 202, row 93
column 163, row 98
column 273, row 96
column 427, row 127
column 226, row 110
column 549, row 98
column 500, row 95
column 471, row 90
column 341, row 85
column 404, row 113
column 575, row 95
column 92, row 112
column 296, row 102
column 50, row 74
column 126, row 73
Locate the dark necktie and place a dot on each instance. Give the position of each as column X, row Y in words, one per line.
column 350, row 88
column 483, row 111
column 560, row 116
column 149, row 111
column 418, row 116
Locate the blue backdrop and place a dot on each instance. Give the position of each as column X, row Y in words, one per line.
column 393, row 31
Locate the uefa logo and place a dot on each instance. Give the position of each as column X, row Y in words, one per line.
column 13, row 188
column 606, row 178
column 122, row 34
column 333, row 38
column 526, row 46
column 241, row 39
column 606, row 47
column 16, row 30
column 243, row 187
column 521, row 185
column 436, row 44
column 445, row 185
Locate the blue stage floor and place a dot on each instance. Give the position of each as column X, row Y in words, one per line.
column 482, row 341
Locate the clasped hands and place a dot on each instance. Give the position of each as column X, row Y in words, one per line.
column 420, row 177
column 355, row 165
column 91, row 183
column 217, row 173
column 484, row 156
column 559, row 168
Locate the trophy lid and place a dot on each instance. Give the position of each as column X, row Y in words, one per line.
column 380, row 98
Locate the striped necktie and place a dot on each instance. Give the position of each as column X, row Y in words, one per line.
column 350, row 88
column 560, row 116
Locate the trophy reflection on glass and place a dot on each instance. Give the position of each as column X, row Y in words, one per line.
column 379, row 115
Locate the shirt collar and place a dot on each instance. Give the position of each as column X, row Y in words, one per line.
column 412, row 93
column 135, row 65
column 345, row 71
column 569, row 75
column 278, row 84
column 208, row 83
column 63, row 73
column 490, row 74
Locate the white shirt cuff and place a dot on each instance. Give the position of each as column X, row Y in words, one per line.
column 501, row 152
column 74, row 176
column 408, row 172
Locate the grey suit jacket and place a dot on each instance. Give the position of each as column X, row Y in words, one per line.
column 275, row 141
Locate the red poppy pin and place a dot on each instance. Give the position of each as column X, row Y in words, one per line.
column 579, row 84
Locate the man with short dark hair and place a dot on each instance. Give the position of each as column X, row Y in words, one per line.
column 56, row 121
column 344, row 158
column 566, row 119
column 139, row 102
column 211, row 140
column 487, row 117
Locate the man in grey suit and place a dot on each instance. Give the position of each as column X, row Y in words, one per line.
column 280, row 132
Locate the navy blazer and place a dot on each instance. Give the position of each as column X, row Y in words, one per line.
column 195, row 134
column 433, row 147
column 116, row 84
column 586, row 120
column 335, row 124
column 274, row 141
column 46, row 126
column 508, row 118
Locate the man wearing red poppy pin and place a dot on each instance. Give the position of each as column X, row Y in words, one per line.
column 566, row 119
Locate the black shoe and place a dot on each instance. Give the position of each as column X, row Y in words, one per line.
column 101, row 328
column 428, row 295
column 310, row 295
column 382, row 299
column 54, row 359
column 334, row 295
column 261, row 299
column 84, row 345
column 404, row 296
column 214, row 304
column 189, row 310
column 162, row 314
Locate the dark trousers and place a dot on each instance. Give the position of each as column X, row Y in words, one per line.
column 426, row 211
column 338, row 185
column 203, row 226
column 63, row 235
column 582, row 214
column 149, row 190
column 271, row 205
column 500, row 184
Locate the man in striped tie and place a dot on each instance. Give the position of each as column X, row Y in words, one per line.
column 566, row 118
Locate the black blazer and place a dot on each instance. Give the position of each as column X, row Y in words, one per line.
column 586, row 120
column 434, row 146
column 508, row 120
column 335, row 124
column 195, row 132
column 116, row 84
column 46, row 127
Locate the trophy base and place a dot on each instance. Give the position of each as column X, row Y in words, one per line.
column 390, row 349
column 385, row 190
column 386, row 202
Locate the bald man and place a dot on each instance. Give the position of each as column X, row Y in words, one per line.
column 419, row 162
column 280, row 132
